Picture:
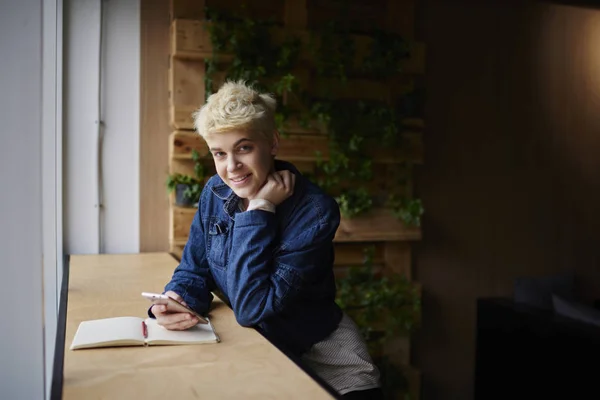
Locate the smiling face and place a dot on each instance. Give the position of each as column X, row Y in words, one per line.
column 243, row 159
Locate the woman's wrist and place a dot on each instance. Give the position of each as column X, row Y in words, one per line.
column 261, row 204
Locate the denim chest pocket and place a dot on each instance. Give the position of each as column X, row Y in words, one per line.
column 218, row 243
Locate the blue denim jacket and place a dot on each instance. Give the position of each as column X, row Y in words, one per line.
column 276, row 270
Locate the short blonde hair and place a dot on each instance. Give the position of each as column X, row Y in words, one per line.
column 237, row 106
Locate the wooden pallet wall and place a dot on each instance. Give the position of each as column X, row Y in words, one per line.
column 190, row 46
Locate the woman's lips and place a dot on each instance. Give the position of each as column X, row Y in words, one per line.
column 240, row 181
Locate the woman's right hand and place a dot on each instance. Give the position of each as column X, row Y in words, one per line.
column 173, row 321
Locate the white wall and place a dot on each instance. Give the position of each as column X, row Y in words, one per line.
column 22, row 343
column 116, row 229
column 31, row 152
column 52, row 244
column 122, row 135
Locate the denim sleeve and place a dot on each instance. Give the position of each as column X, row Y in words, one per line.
column 192, row 279
column 260, row 283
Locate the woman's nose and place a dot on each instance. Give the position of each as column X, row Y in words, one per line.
column 232, row 164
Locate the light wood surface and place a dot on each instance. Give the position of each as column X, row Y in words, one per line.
column 244, row 365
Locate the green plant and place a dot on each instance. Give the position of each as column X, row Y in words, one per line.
column 382, row 306
column 386, row 54
column 355, row 128
column 194, row 184
column 392, row 378
column 407, row 210
column 354, row 203
column 256, row 58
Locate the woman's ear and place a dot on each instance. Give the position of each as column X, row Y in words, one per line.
column 275, row 145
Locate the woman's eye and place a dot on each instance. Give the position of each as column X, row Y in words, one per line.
column 218, row 154
column 245, row 148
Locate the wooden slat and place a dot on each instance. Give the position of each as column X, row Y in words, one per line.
column 354, row 15
column 351, row 254
column 414, row 123
column 189, row 36
column 182, row 143
column 386, row 177
column 345, row 257
column 409, row 372
column 392, row 176
column 303, row 148
column 181, row 117
column 154, row 125
column 415, row 64
column 342, row 272
column 295, row 14
column 356, row 89
column 400, row 17
column 192, row 9
column 398, row 359
column 398, row 348
column 186, row 86
column 413, row 376
column 255, row 9
column 397, row 258
column 190, row 39
column 181, row 220
column 376, row 226
column 186, row 167
column 293, row 147
column 293, row 125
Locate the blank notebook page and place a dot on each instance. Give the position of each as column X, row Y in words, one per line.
column 197, row 333
column 109, row 330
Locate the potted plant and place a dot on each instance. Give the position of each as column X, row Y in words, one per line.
column 188, row 188
column 383, row 307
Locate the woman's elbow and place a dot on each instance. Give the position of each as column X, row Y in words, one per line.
column 252, row 316
column 252, row 310
column 246, row 319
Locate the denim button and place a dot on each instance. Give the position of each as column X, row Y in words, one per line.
column 218, row 239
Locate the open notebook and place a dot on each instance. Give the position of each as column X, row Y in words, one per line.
column 134, row 331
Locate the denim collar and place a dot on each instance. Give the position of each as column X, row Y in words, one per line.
column 224, row 192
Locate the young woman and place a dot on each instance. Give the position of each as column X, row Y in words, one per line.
column 263, row 235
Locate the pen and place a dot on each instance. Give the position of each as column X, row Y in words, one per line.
column 145, row 329
column 213, row 329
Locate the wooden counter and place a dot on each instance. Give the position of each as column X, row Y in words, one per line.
column 244, row 365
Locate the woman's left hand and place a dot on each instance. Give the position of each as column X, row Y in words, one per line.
column 278, row 187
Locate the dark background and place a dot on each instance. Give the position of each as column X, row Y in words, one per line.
column 511, row 179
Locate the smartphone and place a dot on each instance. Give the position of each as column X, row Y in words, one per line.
column 172, row 305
